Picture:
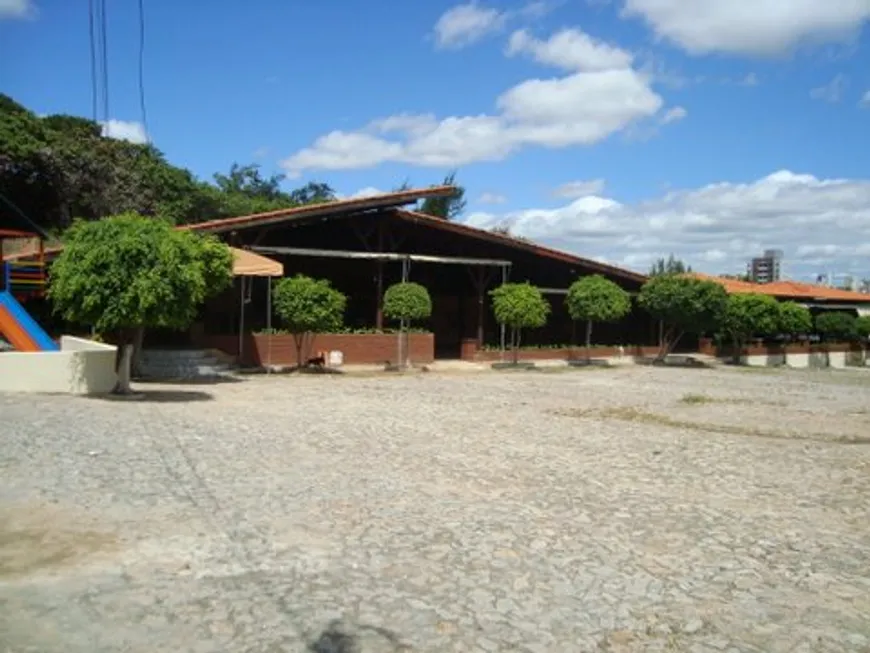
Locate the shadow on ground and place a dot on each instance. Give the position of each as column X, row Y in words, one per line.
column 158, row 396
column 343, row 637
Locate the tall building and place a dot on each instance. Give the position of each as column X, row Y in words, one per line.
column 767, row 267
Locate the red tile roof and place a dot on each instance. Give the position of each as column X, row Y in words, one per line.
column 794, row 290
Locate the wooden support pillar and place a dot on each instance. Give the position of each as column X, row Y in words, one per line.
column 379, row 278
column 481, row 313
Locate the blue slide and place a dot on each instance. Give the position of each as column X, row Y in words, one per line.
column 20, row 329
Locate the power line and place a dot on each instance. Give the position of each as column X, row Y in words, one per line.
column 142, row 108
column 105, row 59
column 93, row 50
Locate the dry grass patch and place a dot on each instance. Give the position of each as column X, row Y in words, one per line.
column 631, row 414
column 699, row 399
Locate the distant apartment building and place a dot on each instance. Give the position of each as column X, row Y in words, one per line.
column 766, row 268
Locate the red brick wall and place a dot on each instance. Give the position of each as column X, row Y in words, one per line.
column 358, row 349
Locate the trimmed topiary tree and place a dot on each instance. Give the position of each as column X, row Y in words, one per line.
column 596, row 299
column 519, row 306
column 684, row 304
column 406, row 302
column 748, row 315
column 837, row 326
column 126, row 273
column 794, row 320
column 306, row 307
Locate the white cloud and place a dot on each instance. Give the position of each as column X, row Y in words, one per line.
column 125, row 130
column 865, row 100
column 601, row 96
column 491, row 198
column 581, row 188
column 674, row 114
column 368, row 191
column 466, row 24
column 570, row 49
column 832, row 91
column 10, row 9
column 820, row 223
column 751, row 79
column 463, row 25
column 761, row 27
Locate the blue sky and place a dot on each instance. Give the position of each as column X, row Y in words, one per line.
column 618, row 129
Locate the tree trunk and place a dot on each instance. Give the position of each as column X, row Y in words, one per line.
column 737, row 344
column 123, row 362
column 299, row 341
column 515, row 345
column 136, row 358
column 588, row 340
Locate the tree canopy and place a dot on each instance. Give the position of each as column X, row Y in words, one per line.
column 837, row 326
column 748, row 315
column 407, row 301
column 127, row 272
column 670, row 265
column 57, row 168
column 448, row 208
column 519, row 306
column 794, row 319
column 684, row 304
column 862, row 326
column 595, row 298
column 307, row 306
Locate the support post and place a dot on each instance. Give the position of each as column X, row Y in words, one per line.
column 504, row 277
column 241, row 317
column 269, row 325
column 379, row 280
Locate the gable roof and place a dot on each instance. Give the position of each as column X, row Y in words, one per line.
column 794, row 290
column 517, row 243
column 337, row 207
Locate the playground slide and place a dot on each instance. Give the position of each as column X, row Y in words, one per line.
column 21, row 330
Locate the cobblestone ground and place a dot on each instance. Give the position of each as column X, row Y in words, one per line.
column 632, row 509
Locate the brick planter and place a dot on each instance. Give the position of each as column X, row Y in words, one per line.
column 798, row 354
column 568, row 353
column 358, row 349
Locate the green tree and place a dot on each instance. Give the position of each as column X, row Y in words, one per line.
column 450, row 207
column 684, row 305
column 794, row 320
column 127, row 273
column 837, row 326
column 670, row 265
column 862, row 326
column 596, row 299
column 519, row 306
column 307, row 307
column 406, row 302
column 749, row 315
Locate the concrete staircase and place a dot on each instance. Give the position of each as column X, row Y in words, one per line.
column 189, row 364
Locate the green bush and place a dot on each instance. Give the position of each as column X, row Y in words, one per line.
column 837, row 326
column 407, row 302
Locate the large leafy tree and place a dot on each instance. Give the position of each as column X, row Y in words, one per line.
column 596, row 299
column 748, row 315
column 684, row 305
column 837, row 326
column 59, row 167
column 794, row 320
column 126, row 273
column 406, row 302
column 450, row 207
column 306, row 307
column 519, row 306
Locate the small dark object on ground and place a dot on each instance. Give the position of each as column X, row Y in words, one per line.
column 508, row 365
column 317, row 361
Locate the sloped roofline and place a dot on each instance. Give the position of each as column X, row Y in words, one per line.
column 383, row 201
column 516, row 243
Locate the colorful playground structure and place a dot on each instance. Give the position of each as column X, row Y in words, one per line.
column 37, row 363
column 21, row 281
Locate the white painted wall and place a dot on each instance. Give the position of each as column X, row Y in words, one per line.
column 835, row 359
column 81, row 367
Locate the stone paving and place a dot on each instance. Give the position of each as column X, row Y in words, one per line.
column 633, row 509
